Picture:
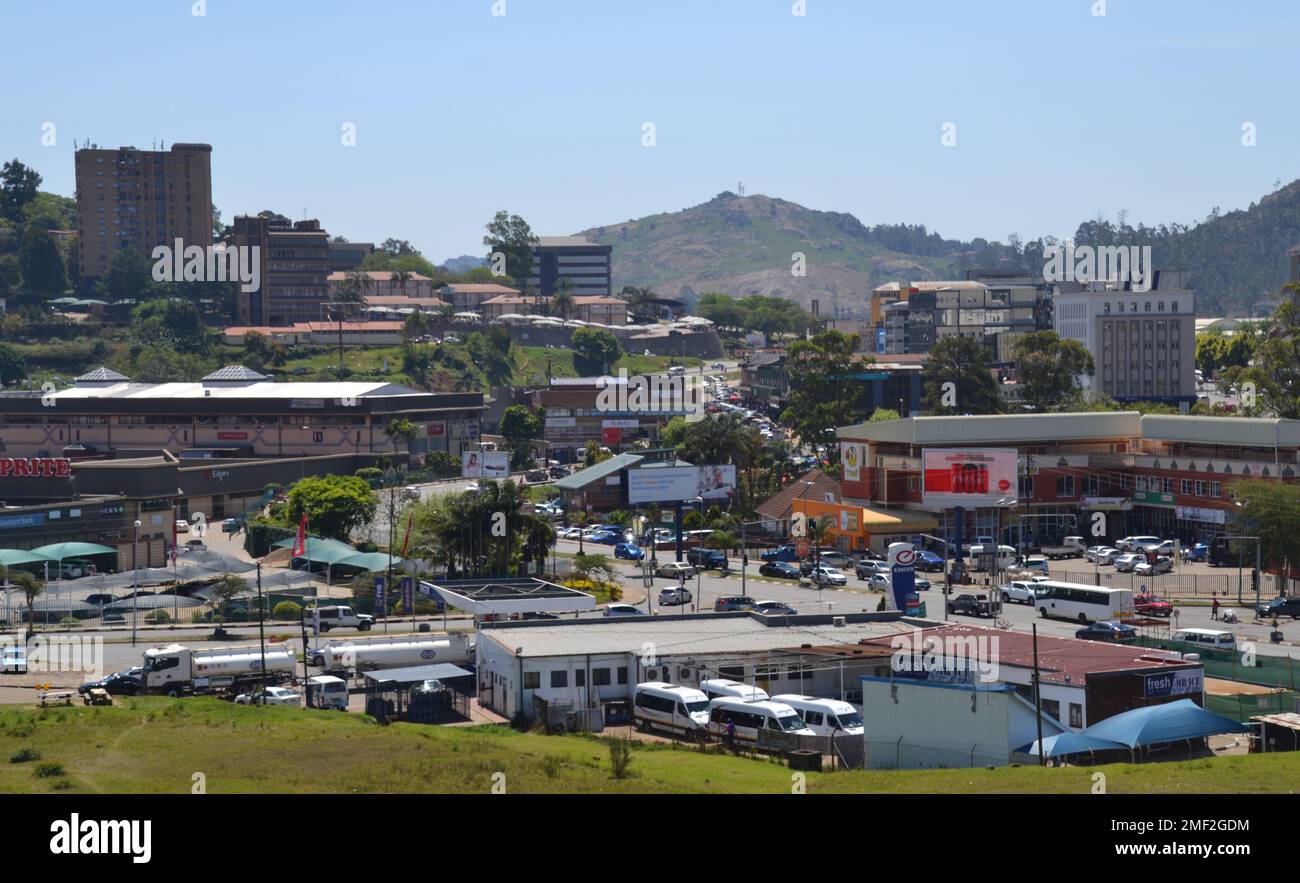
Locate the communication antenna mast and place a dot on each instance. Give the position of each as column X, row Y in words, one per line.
column 740, row 188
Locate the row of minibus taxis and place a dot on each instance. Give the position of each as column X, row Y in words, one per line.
column 696, row 713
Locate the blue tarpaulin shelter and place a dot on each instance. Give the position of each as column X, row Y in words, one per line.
column 1073, row 743
column 1169, row 722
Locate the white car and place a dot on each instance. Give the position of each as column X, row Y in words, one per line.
column 1163, row 564
column 472, row 487
column 1133, row 544
column 829, row 576
column 182, row 526
column 623, row 610
column 1127, row 563
column 674, row 596
column 273, row 696
column 1019, row 591
column 1103, row 554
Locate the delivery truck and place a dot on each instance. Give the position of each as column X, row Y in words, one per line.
column 369, row 654
column 177, row 670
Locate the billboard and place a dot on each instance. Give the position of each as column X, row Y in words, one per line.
column 484, row 464
column 680, row 483
column 968, row 477
column 851, row 455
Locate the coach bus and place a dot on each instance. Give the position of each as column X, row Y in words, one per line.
column 1080, row 601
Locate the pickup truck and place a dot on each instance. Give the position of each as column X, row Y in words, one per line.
column 1018, row 591
column 341, row 618
column 971, row 605
column 1070, row 547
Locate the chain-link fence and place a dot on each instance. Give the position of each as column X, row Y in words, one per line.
column 1244, row 705
column 903, row 755
column 1233, row 586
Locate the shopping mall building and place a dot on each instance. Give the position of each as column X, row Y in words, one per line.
column 1167, row 476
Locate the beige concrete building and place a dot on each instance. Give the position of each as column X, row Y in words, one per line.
column 140, row 199
column 384, row 283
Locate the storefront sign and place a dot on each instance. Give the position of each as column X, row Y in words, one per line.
column 35, row 467
column 1198, row 513
column 1152, row 498
column 231, row 435
column 30, row 519
column 1175, row 683
column 1106, row 504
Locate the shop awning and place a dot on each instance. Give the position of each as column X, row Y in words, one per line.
column 877, row 519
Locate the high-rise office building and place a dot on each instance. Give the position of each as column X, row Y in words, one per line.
column 140, row 199
column 295, row 268
column 585, row 265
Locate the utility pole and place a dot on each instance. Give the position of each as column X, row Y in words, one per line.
column 261, row 628
column 1038, row 701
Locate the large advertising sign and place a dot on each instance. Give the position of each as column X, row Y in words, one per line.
column 851, row 454
column 484, row 464
column 1175, row 683
column 968, row 477
column 680, row 483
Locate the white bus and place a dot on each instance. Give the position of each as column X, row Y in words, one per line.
column 683, row 711
column 1080, row 601
column 750, row 717
column 716, row 687
column 825, row 717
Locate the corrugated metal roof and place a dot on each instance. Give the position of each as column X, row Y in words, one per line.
column 1243, row 431
column 672, row 636
column 1009, row 429
column 255, row 390
column 584, row 477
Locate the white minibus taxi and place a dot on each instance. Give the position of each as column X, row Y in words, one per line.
column 732, row 689
column 1212, row 639
column 825, row 717
column 750, row 717
column 683, row 711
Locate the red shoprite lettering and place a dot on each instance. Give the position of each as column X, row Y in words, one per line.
column 35, row 467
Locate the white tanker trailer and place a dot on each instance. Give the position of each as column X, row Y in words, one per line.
column 362, row 654
column 176, row 670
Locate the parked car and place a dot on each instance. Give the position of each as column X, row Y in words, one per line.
column 606, row 538
column 622, row 610
column 1102, row 554
column 970, row 605
column 775, row 608
column 1163, row 564
column 120, row 683
column 866, row 569
column 1134, row 543
column 270, row 696
column 674, row 596
column 1280, row 607
column 1107, row 630
column 781, row 553
column 707, row 559
column 733, row 602
column 534, row 475
column 1126, row 563
column 231, row 525
column 411, row 493
column 928, row 561
column 833, row 559
column 182, row 526
column 629, row 551
column 1199, row 552
column 781, row 569
column 675, row 569
column 829, row 576
column 1149, row 605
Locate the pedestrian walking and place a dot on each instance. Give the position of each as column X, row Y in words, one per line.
column 1214, row 608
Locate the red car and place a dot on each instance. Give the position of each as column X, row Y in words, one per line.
column 1149, row 605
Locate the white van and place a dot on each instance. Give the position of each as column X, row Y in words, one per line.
column 750, row 717
column 327, row 691
column 683, row 711
column 825, row 717
column 1212, row 639
column 732, row 689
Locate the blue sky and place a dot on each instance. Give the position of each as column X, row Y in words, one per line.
column 1059, row 114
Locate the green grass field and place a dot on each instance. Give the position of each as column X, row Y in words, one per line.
column 157, row 745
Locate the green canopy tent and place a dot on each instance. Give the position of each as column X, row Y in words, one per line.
column 19, row 557
column 332, row 553
column 59, row 551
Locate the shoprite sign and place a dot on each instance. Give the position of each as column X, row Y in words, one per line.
column 35, row 467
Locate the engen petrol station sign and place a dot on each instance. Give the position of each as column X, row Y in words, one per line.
column 35, row 467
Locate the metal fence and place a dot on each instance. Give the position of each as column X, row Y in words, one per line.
column 902, row 755
column 1233, row 586
column 1243, row 706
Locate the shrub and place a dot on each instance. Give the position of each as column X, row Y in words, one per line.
column 23, row 755
column 48, row 770
column 157, row 616
column 620, row 757
column 287, row 610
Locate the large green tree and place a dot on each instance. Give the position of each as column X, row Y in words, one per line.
column 965, row 363
column 1049, row 369
column 520, row 427
column 172, row 323
column 13, row 366
column 823, row 394
column 1274, row 376
column 510, row 236
column 130, row 277
column 335, row 505
column 41, row 262
column 1270, row 510
column 19, row 185
column 595, row 350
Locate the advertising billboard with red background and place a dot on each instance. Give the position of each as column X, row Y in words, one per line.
column 968, row 477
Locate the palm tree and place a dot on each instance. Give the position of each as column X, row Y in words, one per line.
column 346, row 299
column 640, row 301
column 401, row 277
column 562, row 303
column 30, row 586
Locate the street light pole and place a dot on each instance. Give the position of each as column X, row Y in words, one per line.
column 135, row 596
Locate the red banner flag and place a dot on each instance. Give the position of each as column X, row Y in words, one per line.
column 300, row 545
column 410, row 519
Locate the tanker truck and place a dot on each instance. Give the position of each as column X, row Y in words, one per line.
column 176, row 670
column 368, row 654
